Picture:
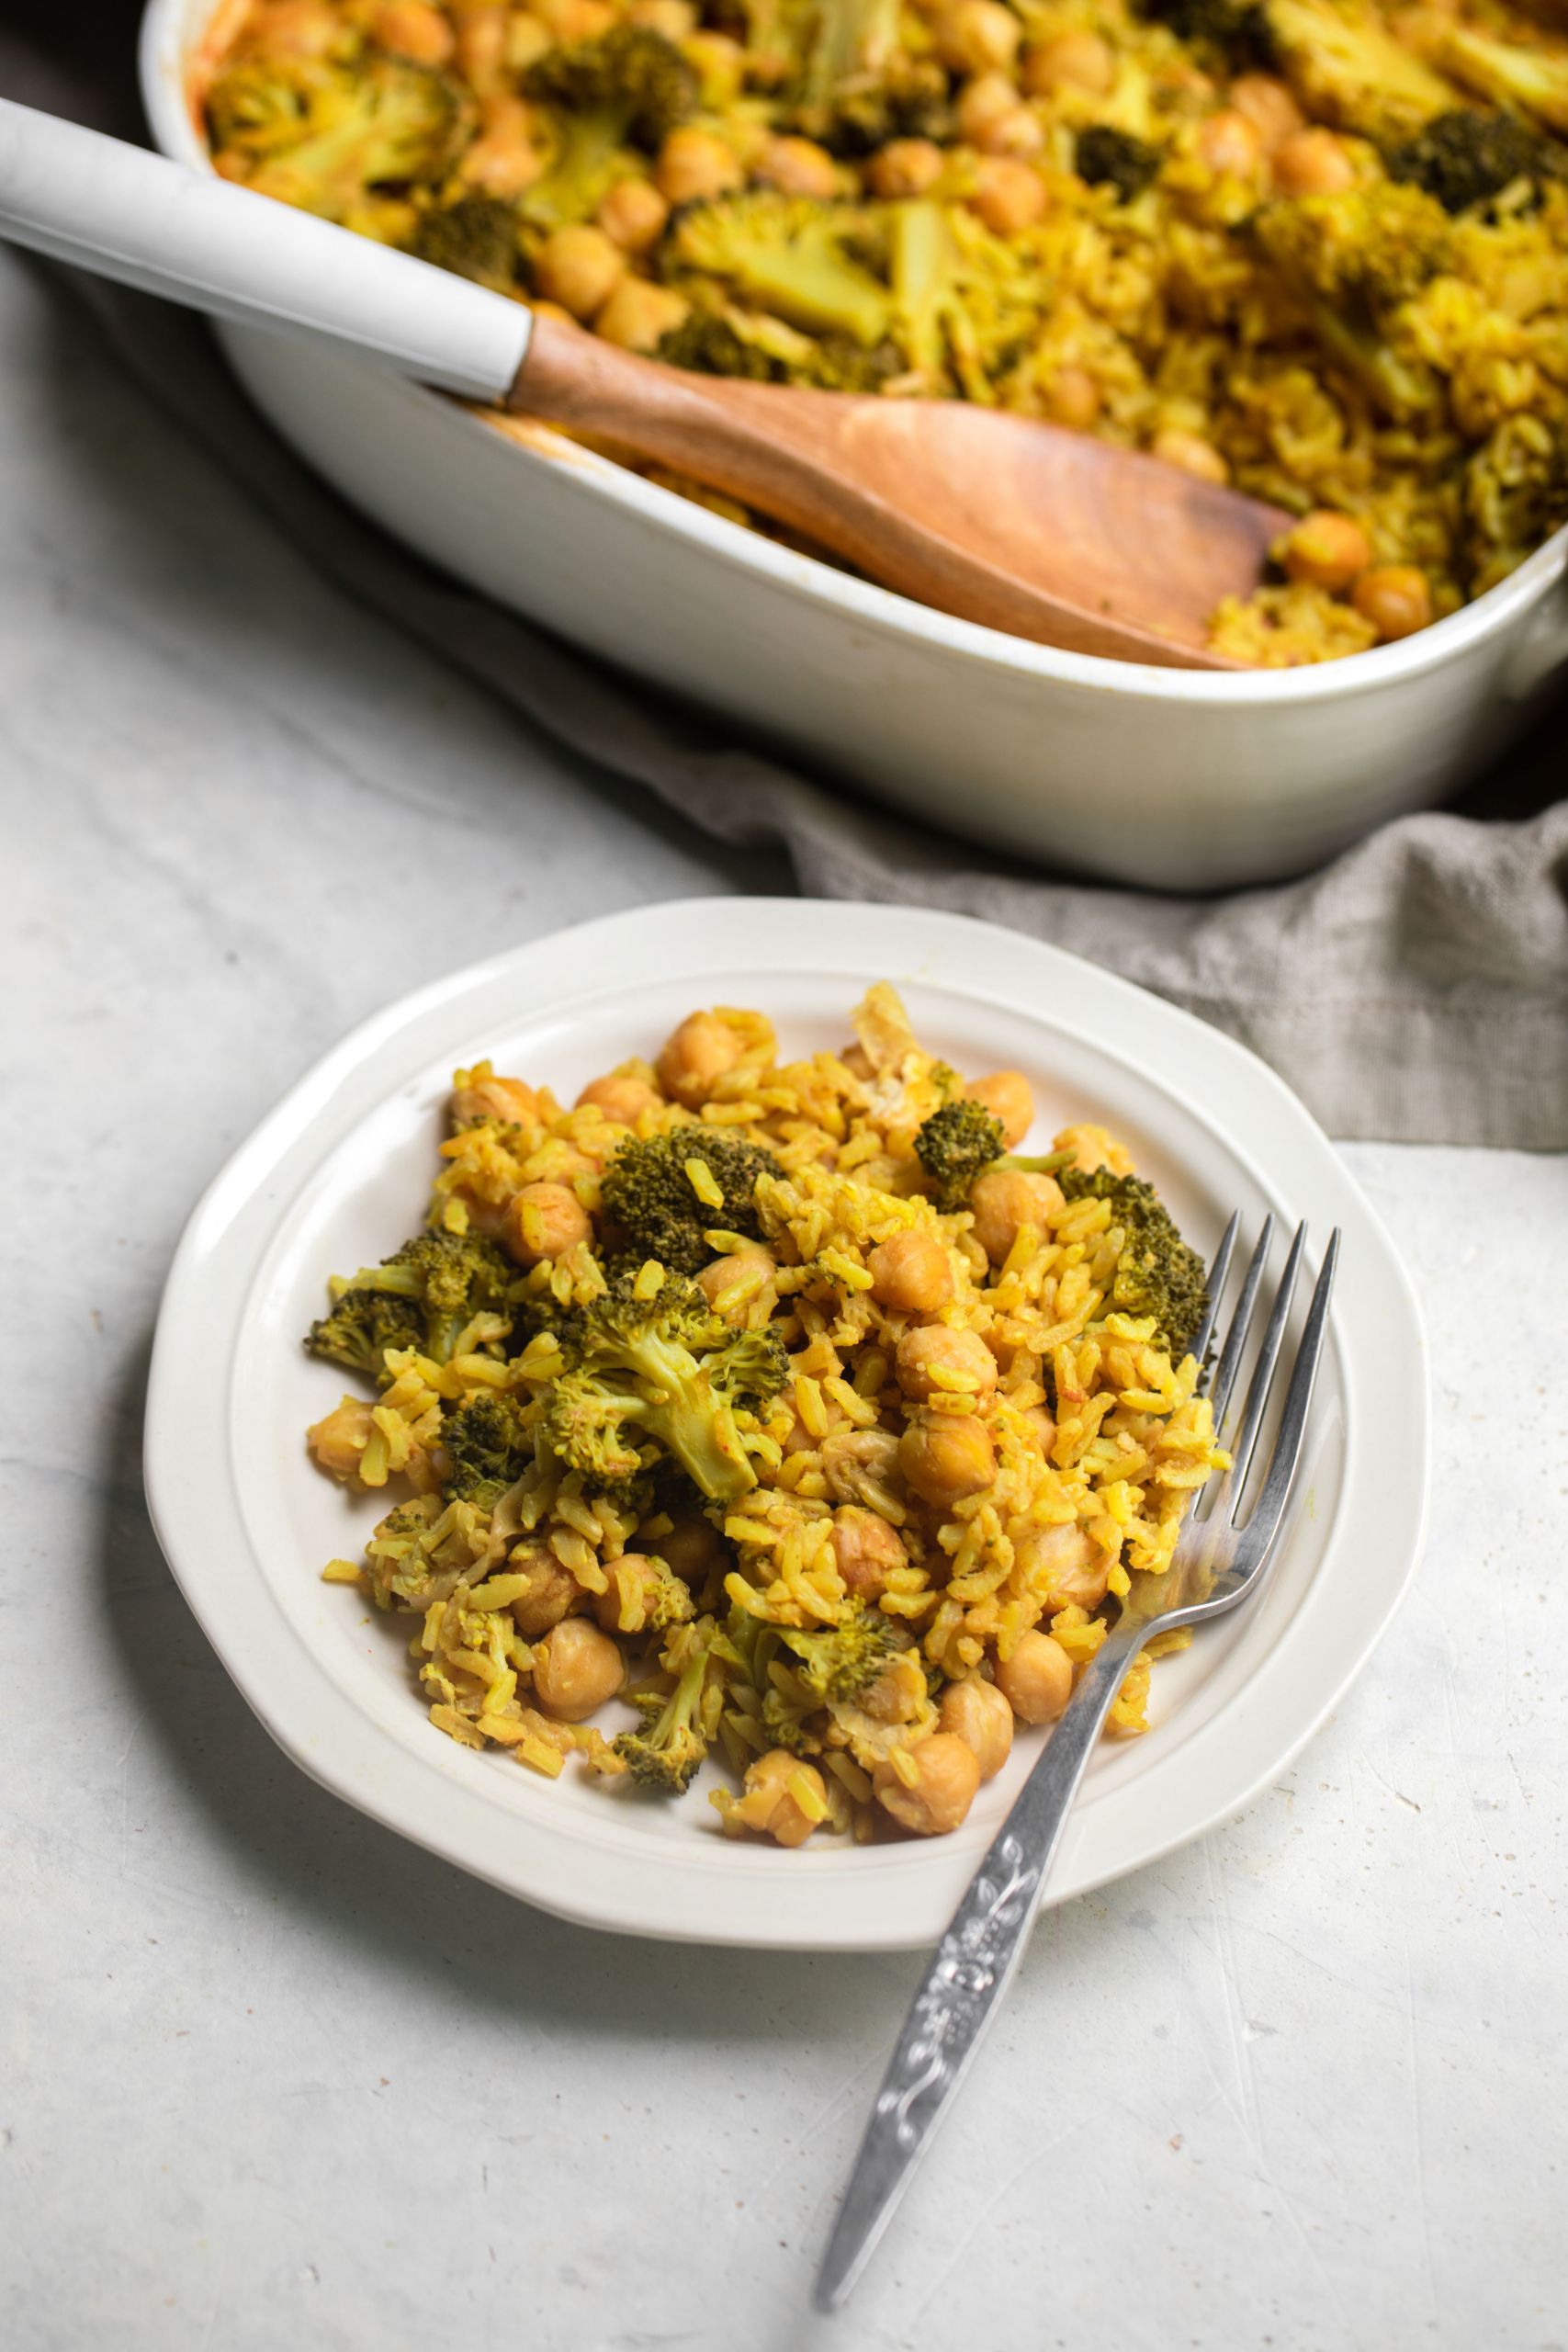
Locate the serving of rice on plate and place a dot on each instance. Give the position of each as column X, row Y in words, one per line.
column 780, row 1415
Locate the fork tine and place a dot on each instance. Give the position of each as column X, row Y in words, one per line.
column 1219, row 1273
column 1259, row 1533
column 1263, row 1374
column 1241, row 1321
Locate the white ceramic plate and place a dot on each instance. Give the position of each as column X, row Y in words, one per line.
column 340, row 1171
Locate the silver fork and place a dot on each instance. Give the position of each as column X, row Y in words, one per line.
column 1219, row 1560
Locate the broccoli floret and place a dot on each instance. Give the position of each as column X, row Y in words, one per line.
column 795, row 255
column 1535, row 79
column 1237, row 30
column 1349, row 69
column 476, row 237
column 855, row 85
column 709, row 343
column 667, row 1750
column 1111, row 158
column 420, row 1298
column 328, row 139
column 960, row 1142
column 488, row 1448
column 1465, row 157
column 839, row 1661
column 1156, row 1272
column 628, row 88
column 1350, row 260
column 665, row 1372
column 649, row 1198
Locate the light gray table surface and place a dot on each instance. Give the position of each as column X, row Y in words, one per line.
column 271, row 2078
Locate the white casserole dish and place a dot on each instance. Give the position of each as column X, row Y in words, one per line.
column 1175, row 779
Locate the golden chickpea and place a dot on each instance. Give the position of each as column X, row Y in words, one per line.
column 767, row 1805
column 544, row 1221
column 731, row 1274
column 1007, row 1096
column 994, row 127
column 527, row 42
column 504, row 160
column 866, row 1549
column 304, row 29
column 493, row 1098
column 579, row 266
column 694, row 164
column 552, row 1592
column 1269, row 106
column 637, row 316
column 1396, row 598
column 1008, row 196
column 1078, row 1570
column 1191, row 452
column 1040, row 1426
column 1037, row 1680
column 977, row 37
column 633, row 213
column 904, row 168
column 949, row 1776
column 411, row 29
column 622, row 1098
column 1230, row 145
column 909, row 1272
column 1093, row 1148
column 1072, row 397
column 695, row 1550
column 933, row 1348
column 797, row 167
column 1313, row 162
column 576, row 1668
column 481, row 46
column 676, row 19
column 1003, row 1199
column 695, row 1057
column 622, row 1607
column 338, row 1439
column 975, row 1711
column 1328, row 548
column 947, row 1457
column 1075, row 61
column 574, row 19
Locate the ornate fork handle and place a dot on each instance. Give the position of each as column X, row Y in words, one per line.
column 974, row 1964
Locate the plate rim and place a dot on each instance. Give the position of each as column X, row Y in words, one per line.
column 638, row 1902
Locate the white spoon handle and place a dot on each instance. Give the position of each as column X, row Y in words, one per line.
column 127, row 214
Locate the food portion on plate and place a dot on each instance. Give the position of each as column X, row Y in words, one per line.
column 788, row 1402
column 1315, row 248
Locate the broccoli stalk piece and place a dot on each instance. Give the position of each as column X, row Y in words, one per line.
column 476, row 237
column 665, row 1372
column 421, row 1296
column 855, row 85
column 488, row 1448
column 1111, row 158
column 960, row 1142
column 649, row 1199
column 1533, row 79
column 666, row 1751
column 628, row 88
column 327, row 142
column 1156, row 1273
column 1350, row 261
column 1346, row 67
column 1465, row 157
column 792, row 255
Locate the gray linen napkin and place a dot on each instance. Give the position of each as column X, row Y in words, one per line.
column 1415, row 990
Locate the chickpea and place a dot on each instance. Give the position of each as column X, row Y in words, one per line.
column 975, row 1711
column 574, row 19
column 1007, row 1096
column 909, row 1272
column 621, row 1097
column 1329, row 549
column 340, row 1437
column 1008, row 196
column 866, row 1549
column 1072, row 397
column 978, row 36
column 694, row 164
column 493, row 1098
column 947, row 1457
column 411, row 29
column 799, row 167
column 1191, row 452
column 695, row 1057
column 932, row 1347
column 544, row 1221
column 1040, row 1425
column 1093, row 1148
column 552, row 1593
column 637, row 316
column 991, row 116
column 504, row 160
column 576, row 1668
column 1396, row 598
column 949, row 1776
column 527, row 42
column 676, row 19
column 1076, row 60
column 694, row 1551
column 1037, row 1680
column 304, row 29
column 725, row 1273
column 579, row 266
column 634, row 1581
column 766, row 1804
column 1003, row 1199
column 1230, row 145
column 633, row 213
column 1269, row 106
column 1077, row 1568
column 905, row 167
column 1313, row 162
column 481, row 46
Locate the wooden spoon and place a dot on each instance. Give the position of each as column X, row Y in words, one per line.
column 999, row 519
